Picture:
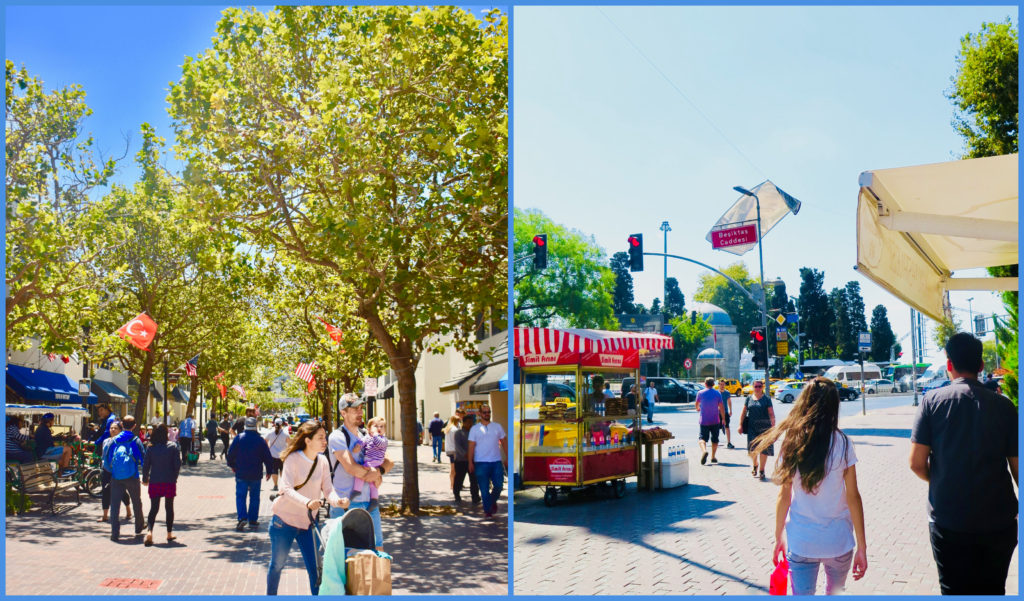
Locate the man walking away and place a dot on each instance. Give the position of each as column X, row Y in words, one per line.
column 247, row 457
column 488, row 459
column 211, row 435
column 727, row 407
column 462, row 461
column 651, row 396
column 712, row 413
column 963, row 439
column 125, row 456
column 224, row 429
column 436, row 429
column 277, row 439
column 186, row 430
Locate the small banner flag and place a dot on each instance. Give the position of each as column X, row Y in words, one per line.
column 238, row 389
column 334, row 332
column 51, row 356
column 312, row 385
column 305, row 371
column 192, row 366
column 223, row 390
column 139, row 331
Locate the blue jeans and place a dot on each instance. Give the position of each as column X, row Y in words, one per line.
column 378, row 534
column 438, row 445
column 803, row 573
column 650, row 411
column 252, row 488
column 281, row 537
column 488, row 474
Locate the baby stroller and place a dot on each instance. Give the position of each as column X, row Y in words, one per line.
column 355, row 529
column 193, row 453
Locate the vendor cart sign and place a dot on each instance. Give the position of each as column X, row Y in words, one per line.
column 561, row 469
column 734, row 236
column 608, row 360
column 541, row 359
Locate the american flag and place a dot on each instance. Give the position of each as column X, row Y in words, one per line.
column 305, row 370
column 238, row 389
column 192, row 365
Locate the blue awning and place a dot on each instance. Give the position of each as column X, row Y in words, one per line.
column 36, row 385
column 109, row 392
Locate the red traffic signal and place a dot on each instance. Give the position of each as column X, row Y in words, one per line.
column 757, row 335
column 636, row 252
column 540, row 251
column 539, row 240
column 634, row 241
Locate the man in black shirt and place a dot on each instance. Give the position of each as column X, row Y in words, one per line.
column 964, row 444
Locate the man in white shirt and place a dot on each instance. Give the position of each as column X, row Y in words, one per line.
column 277, row 439
column 488, row 459
column 651, row 394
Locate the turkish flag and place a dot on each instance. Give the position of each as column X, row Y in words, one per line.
column 139, row 331
column 332, row 331
column 312, row 385
column 223, row 390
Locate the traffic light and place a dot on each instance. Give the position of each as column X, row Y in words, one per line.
column 540, row 251
column 760, row 350
column 636, row 252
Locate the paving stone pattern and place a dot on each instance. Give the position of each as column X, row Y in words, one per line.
column 714, row 536
column 464, row 554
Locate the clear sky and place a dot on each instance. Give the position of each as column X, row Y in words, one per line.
column 808, row 97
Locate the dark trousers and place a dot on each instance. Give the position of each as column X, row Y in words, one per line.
column 105, row 478
column 250, row 489
column 130, row 487
column 154, row 508
column 213, row 443
column 461, row 470
column 186, row 447
column 224, row 439
column 973, row 563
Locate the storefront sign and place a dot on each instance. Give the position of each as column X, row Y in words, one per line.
column 561, row 469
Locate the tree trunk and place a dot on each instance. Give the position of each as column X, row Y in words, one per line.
column 407, row 395
column 328, row 405
column 144, row 379
column 193, row 392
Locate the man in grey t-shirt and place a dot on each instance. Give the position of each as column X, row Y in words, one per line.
column 964, row 444
column 462, row 461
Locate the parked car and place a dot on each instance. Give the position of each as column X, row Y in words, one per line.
column 693, row 387
column 880, row 386
column 670, row 390
column 932, row 385
column 732, row 386
column 847, row 393
column 788, row 391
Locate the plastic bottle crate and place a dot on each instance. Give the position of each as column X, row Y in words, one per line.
column 675, row 467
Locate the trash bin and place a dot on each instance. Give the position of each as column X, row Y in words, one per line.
column 675, row 467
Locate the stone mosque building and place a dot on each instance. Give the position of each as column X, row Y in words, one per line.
column 721, row 358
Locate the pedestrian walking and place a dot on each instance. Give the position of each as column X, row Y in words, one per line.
column 650, row 398
column 631, row 399
column 711, row 412
column 819, row 505
column 454, row 423
column 348, row 461
column 756, row 417
column 306, row 478
column 224, row 430
column 488, row 459
column 106, row 476
column 247, row 456
column 436, row 429
column 107, row 418
column 160, row 471
column 277, row 439
column 125, row 455
column 186, row 431
column 727, row 405
column 239, row 425
column 608, row 394
column 461, row 446
column 212, row 435
column 964, row 445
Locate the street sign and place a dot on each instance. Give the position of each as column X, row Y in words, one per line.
column 781, row 334
column 792, row 318
column 782, row 348
column 687, row 363
column 734, row 236
column 370, row 386
column 781, row 320
column 864, row 342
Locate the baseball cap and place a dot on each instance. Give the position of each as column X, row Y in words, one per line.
column 250, row 423
column 279, row 421
column 349, row 400
column 47, row 417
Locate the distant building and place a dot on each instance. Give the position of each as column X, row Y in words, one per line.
column 720, row 356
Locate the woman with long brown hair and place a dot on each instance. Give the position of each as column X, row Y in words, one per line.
column 305, row 478
column 819, row 506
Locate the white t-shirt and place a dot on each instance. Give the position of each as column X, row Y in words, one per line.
column 344, row 481
column 449, row 440
column 649, row 392
column 277, row 441
column 486, row 438
column 819, row 525
column 608, row 394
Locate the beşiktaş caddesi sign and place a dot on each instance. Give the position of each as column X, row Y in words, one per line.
column 734, row 236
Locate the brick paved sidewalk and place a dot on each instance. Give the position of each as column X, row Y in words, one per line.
column 714, row 536
column 466, row 553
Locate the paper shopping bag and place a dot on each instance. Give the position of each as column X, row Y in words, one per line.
column 367, row 574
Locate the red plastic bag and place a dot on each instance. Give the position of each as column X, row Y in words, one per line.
column 780, row 579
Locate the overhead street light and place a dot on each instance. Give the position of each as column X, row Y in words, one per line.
column 764, row 303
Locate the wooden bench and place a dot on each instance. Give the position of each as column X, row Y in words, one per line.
column 38, row 478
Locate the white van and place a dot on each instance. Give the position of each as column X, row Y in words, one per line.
column 936, row 372
column 849, row 375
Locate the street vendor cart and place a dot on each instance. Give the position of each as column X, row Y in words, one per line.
column 569, row 435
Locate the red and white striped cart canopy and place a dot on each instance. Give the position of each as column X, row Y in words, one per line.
column 531, row 341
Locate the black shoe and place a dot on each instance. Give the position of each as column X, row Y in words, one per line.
column 762, row 476
column 240, row 526
column 476, row 501
column 704, row 458
column 458, row 499
column 730, row 446
column 713, row 460
column 254, row 525
column 113, row 537
column 373, row 504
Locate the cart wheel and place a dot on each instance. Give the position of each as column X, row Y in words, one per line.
column 93, row 484
column 550, row 497
column 619, row 488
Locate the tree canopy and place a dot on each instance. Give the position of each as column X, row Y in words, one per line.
column 882, row 336
column 716, row 290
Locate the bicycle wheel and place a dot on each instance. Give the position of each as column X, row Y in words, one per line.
column 94, row 484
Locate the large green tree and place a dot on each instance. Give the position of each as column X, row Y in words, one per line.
column 882, row 336
column 575, row 289
column 371, row 141
column 715, row 289
column 688, row 339
column 815, row 311
column 675, row 302
column 622, row 297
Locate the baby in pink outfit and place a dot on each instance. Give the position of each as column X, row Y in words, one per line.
column 374, row 446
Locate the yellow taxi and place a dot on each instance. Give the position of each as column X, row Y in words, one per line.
column 732, row 386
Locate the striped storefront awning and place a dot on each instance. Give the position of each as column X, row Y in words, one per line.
column 531, row 341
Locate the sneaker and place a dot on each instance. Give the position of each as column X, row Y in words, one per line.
column 68, row 471
column 254, row 525
column 761, row 476
column 730, row 446
column 713, row 460
column 494, row 508
column 476, row 501
column 704, row 458
column 488, row 514
column 240, row 526
column 275, row 487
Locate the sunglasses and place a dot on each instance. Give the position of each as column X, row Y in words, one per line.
column 758, row 385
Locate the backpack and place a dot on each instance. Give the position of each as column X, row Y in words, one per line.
column 123, row 464
column 348, row 444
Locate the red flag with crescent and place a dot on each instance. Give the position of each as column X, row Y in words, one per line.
column 332, row 331
column 139, row 331
column 223, row 390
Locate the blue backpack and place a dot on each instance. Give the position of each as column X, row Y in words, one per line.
column 123, row 464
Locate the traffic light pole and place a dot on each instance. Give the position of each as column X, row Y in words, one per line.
column 764, row 303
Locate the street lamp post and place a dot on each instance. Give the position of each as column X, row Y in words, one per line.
column 970, row 313
column 86, row 328
column 764, row 303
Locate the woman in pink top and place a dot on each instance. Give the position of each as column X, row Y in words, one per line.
column 305, row 479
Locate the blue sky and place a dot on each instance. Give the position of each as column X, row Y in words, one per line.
column 808, row 97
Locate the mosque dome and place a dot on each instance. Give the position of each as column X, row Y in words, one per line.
column 713, row 314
